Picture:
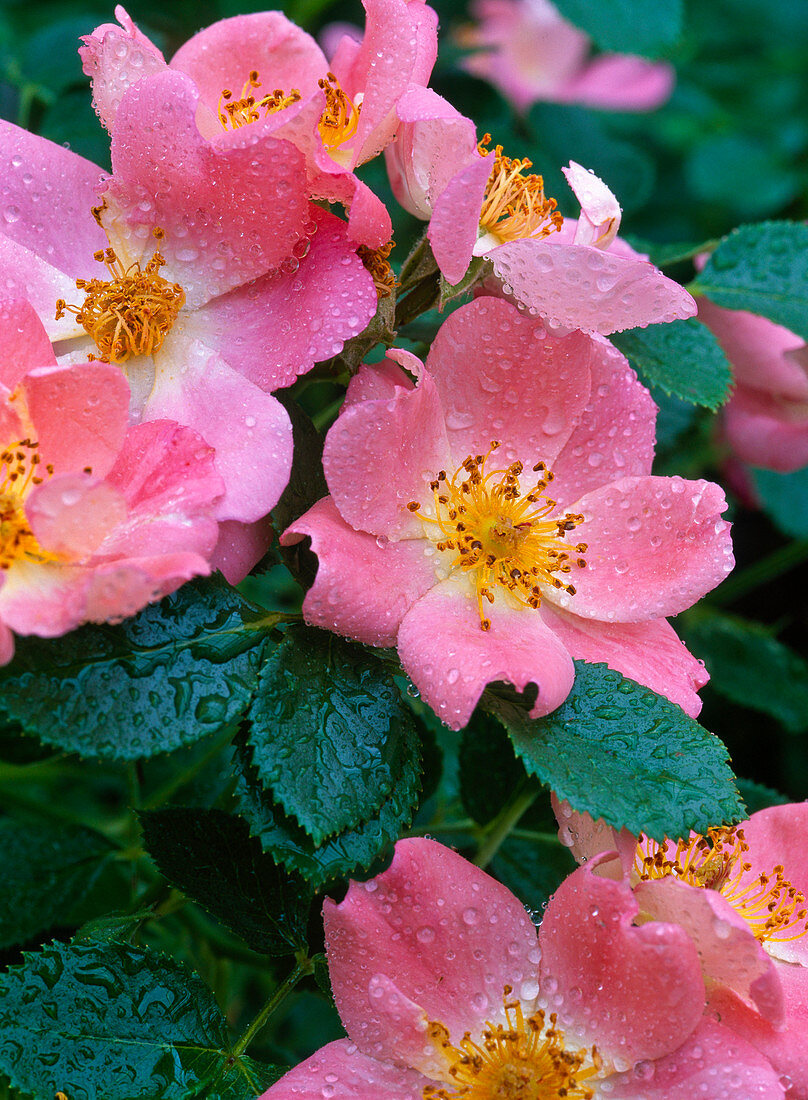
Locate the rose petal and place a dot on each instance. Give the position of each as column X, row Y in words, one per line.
column 451, row 659
column 71, row 515
column 115, row 58
column 340, row 1071
column 455, row 223
column 24, row 344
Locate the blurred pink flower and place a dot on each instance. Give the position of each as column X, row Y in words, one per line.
column 740, row 894
column 338, row 114
column 247, row 285
column 765, row 422
column 438, row 542
column 530, row 53
column 96, row 519
column 575, row 274
column 447, row 990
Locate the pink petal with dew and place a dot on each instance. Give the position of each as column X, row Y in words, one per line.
column 364, row 585
column 777, row 835
column 383, row 380
column 71, row 515
column 26, row 275
column 380, row 456
column 650, row 653
column 451, row 659
column 47, row 194
column 240, row 546
column 765, row 430
column 432, row 141
column 279, row 326
column 600, row 210
column 729, row 952
column 712, row 1062
column 14, row 424
column 223, row 55
column 230, row 211
column 616, row 433
column 603, row 974
column 450, row 936
column 398, row 48
column 455, row 223
column 577, row 286
column 253, row 441
column 501, row 376
column 340, row 1071
column 6, row 644
column 761, row 352
column 115, row 57
column 80, row 414
column 24, row 344
column 620, row 82
column 167, row 474
column 118, row 589
column 786, row 1048
column 46, row 599
column 655, row 546
column 587, row 837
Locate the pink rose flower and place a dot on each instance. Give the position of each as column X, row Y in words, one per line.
column 530, row 53
column 740, row 894
column 440, row 536
column 573, row 274
column 765, row 422
column 97, row 519
column 245, row 287
column 338, row 114
column 447, row 990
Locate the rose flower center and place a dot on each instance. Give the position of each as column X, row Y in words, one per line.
column 523, row 1059
column 132, row 312
column 501, row 536
column 774, row 909
column 515, row 206
column 234, row 113
column 19, row 472
column 337, row 124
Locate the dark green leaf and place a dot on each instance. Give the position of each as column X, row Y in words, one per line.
column 111, row 1021
column 340, row 855
column 752, row 668
column 785, row 499
column 322, row 975
column 306, row 481
column 532, row 867
column 212, row 858
column 118, row 928
column 682, row 357
column 764, row 269
column 478, row 270
column 46, row 869
column 623, row 753
column 647, row 27
column 179, row 670
column 490, row 772
column 329, row 732
column 665, row 254
column 243, row 1080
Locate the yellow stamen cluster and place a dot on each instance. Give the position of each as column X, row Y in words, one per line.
column 377, row 263
column 340, row 118
column 20, row 469
column 132, row 312
column 234, row 113
column 768, row 902
column 523, row 1059
column 515, row 205
column 501, row 535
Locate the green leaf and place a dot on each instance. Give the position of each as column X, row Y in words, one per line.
column 532, row 867
column 647, row 27
column 306, row 481
column 478, row 269
column 490, row 771
column 750, row 667
column 785, row 499
column 181, row 669
column 682, row 357
column 763, row 269
column 212, row 858
column 47, row 869
column 343, row 854
column 329, row 732
column 619, row 751
column 109, row 1020
column 759, row 797
column 243, row 1080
